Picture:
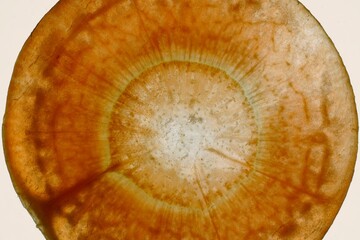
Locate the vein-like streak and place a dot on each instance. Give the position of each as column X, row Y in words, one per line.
column 207, row 209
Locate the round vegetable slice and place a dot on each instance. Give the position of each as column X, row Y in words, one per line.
column 180, row 120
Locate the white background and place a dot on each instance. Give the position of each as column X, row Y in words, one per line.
column 340, row 19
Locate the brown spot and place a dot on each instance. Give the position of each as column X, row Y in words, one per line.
column 287, row 230
column 305, row 208
column 254, row 3
column 318, row 138
column 235, row 7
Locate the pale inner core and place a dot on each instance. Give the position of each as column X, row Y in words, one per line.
column 182, row 131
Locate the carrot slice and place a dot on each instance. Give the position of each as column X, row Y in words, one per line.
column 185, row 119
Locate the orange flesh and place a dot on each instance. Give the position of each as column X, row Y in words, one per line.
column 207, row 121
